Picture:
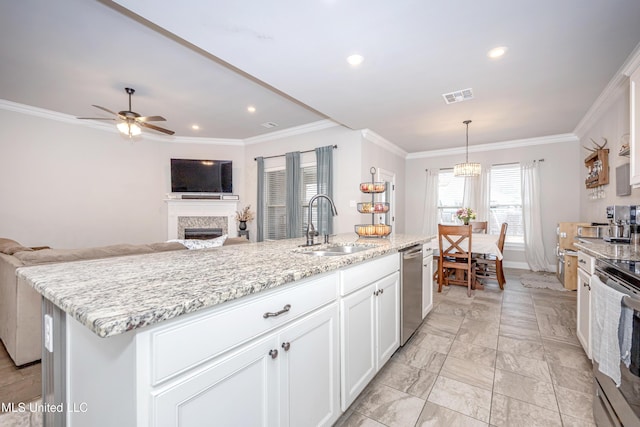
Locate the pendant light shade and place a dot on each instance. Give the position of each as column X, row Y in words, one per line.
column 466, row 168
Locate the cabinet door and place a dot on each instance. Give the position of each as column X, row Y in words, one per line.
column 583, row 321
column 310, row 370
column 357, row 340
column 570, row 272
column 241, row 390
column 427, row 285
column 388, row 318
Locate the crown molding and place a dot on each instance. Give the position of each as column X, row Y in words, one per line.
column 516, row 143
column 73, row 120
column 614, row 89
column 373, row 137
column 296, row 130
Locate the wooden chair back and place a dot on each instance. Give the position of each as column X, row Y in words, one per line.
column 503, row 235
column 479, row 226
column 455, row 244
column 454, row 236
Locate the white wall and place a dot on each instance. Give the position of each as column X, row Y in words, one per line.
column 560, row 177
column 612, row 124
column 68, row 186
column 346, row 165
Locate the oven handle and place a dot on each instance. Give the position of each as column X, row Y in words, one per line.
column 627, row 299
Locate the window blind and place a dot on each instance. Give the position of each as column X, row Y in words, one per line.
column 275, row 223
column 506, row 201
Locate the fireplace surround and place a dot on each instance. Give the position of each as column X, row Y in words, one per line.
column 202, row 214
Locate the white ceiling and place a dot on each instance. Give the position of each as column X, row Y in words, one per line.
column 205, row 61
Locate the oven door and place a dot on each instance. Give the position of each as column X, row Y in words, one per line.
column 620, row 406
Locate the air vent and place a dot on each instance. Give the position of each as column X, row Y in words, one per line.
column 269, row 125
column 458, row 96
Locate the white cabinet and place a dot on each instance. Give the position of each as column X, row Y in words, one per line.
column 369, row 328
column 634, row 127
column 239, row 390
column 427, row 279
column 288, row 378
column 583, row 311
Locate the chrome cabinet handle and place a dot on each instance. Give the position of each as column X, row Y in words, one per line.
column 375, row 293
column 273, row 353
column 581, row 261
column 381, row 291
column 277, row 313
column 286, row 346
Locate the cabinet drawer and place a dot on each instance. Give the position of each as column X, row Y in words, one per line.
column 354, row 278
column 191, row 342
column 586, row 262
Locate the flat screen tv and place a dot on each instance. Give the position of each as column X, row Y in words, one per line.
column 201, row 176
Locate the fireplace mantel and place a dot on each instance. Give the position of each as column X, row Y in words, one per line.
column 201, row 208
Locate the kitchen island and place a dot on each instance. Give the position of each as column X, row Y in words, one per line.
column 196, row 336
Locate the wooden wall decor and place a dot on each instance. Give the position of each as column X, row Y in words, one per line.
column 597, row 164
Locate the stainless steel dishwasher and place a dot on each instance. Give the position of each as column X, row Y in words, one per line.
column 410, row 291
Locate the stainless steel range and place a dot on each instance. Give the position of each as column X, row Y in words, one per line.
column 615, row 406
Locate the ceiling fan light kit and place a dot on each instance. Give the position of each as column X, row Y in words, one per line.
column 130, row 122
column 467, row 169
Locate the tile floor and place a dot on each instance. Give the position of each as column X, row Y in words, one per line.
column 499, row 358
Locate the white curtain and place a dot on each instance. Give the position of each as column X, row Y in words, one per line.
column 430, row 213
column 476, row 195
column 532, row 217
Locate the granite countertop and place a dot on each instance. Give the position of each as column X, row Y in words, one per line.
column 114, row 295
column 601, row 249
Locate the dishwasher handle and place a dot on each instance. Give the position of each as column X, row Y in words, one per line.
column 412, row 253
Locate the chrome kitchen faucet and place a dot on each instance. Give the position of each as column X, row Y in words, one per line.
column 311, row 230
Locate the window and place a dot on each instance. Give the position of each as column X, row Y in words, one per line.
column 506, row 202
column 450, row 194
column 275, row 222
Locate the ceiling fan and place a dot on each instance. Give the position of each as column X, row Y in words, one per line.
column 130, row 121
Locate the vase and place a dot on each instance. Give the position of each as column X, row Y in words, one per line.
column 243, row 225
column 466, row 221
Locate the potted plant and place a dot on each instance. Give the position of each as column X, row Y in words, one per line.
column 244, row 216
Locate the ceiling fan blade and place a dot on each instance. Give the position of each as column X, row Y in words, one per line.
column 154, row 127
column 93, row 118
column 104, row 109
column 151, row 119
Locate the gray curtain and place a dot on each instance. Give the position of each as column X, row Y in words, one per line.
column 293, row 203
column 260, row 208
column 324, row 163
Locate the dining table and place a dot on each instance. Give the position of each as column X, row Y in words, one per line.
column 480, row 244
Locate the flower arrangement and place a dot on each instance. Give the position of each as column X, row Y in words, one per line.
column 245, row 214
column 465, row 214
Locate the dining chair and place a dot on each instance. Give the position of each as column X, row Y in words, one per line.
column 490, row 267
column 479, row 226
column 452, row 239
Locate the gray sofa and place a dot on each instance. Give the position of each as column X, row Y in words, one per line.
column 20, row 305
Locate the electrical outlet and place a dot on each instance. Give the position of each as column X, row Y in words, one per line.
column 48, row 333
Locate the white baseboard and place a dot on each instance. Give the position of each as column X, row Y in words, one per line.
column 516, row 264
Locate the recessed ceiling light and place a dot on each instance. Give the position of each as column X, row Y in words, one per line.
column 251, row 109
column 497, row 52
column 355, row 59
column 195, row 127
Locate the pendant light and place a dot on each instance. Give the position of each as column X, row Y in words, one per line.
column 466, row 168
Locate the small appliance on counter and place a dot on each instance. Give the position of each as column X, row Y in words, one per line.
column 619, row 218
column 566, row 253
column 597, row 230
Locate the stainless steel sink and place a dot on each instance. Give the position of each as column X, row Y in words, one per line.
column 337, row 250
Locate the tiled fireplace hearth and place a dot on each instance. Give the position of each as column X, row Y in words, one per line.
column 201, row 214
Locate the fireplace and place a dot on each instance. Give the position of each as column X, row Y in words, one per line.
column 201, row 214
column 202, row 233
